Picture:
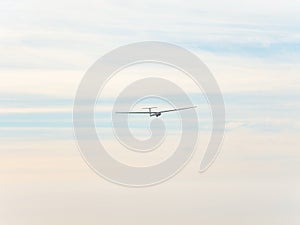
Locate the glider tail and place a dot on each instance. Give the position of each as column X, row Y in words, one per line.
column 149, row 108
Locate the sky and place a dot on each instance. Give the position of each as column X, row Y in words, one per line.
column 252, row 49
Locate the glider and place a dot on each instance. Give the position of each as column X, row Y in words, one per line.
column 155, row 113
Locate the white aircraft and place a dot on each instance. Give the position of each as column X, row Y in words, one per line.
column 158, row 113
